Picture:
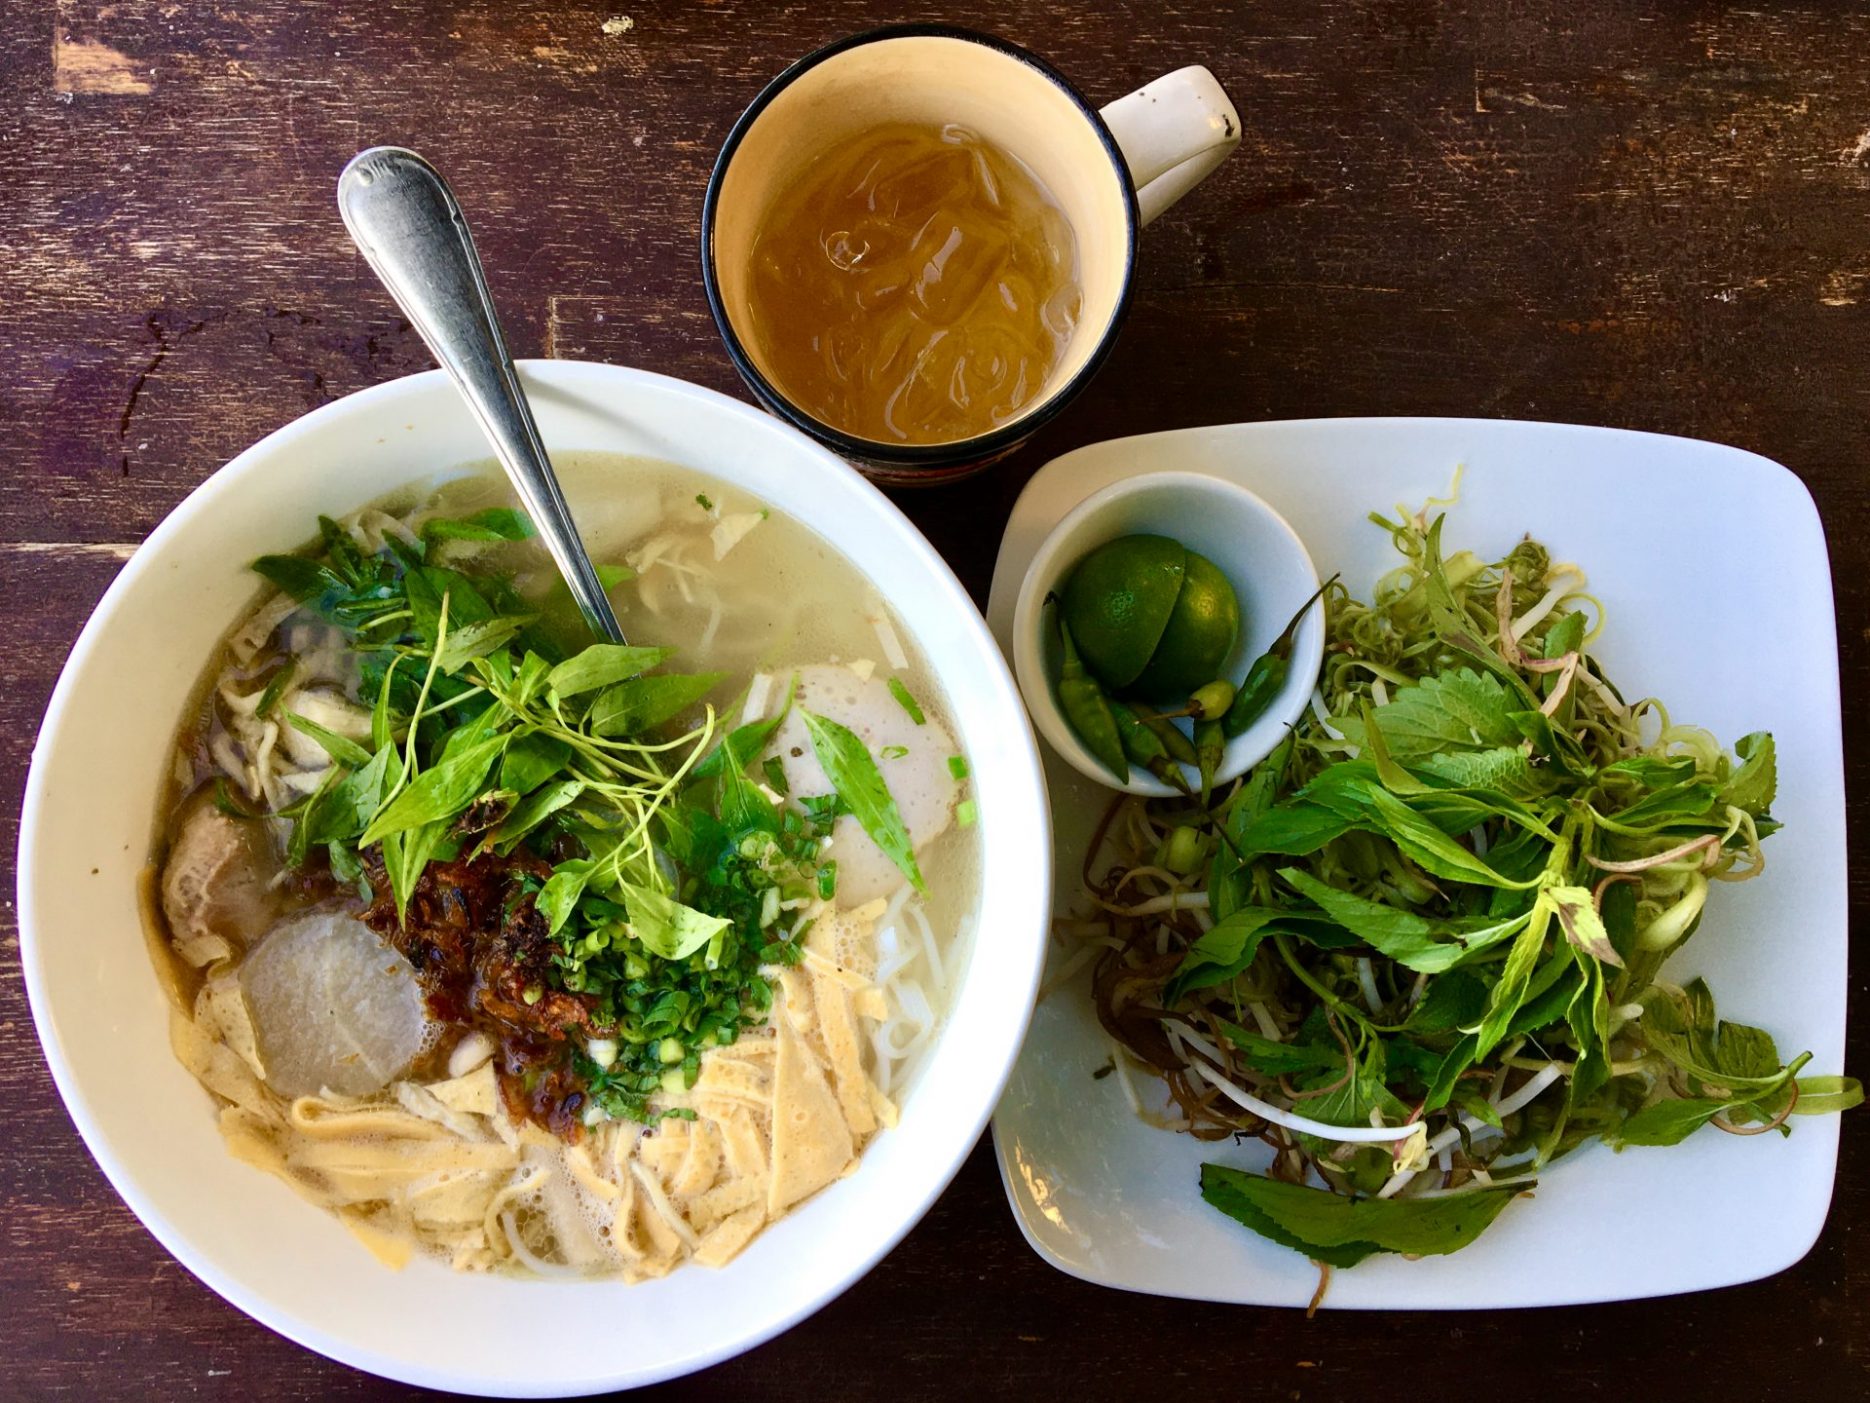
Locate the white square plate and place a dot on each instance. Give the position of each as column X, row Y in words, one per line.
column 1711, row 566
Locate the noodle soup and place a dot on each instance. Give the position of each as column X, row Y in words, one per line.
column 549, row 957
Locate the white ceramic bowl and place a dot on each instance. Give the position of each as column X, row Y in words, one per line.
column 91, row 799
column 1261, row 555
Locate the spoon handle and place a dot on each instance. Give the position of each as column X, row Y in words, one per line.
column 410, row 228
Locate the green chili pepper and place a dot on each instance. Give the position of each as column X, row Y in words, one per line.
column 1211, row 701
column 1145, row 747
column 1086, row 709
column 1210, row 742
column 1183, row 851
column 1174, row 740
column 1267, row 676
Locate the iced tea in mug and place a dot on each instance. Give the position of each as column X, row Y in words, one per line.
column 918, row 243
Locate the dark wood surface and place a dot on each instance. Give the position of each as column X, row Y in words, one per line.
column 1648, row 215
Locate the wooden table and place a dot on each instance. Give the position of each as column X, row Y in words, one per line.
column 1648, row 215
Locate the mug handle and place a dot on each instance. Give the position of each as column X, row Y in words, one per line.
column 1173, row 132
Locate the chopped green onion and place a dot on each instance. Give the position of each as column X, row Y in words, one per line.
column 957, row 766
column 908, row 703
column 828, row 880
column 966, row 813
column 702, row 501
column 892, row 752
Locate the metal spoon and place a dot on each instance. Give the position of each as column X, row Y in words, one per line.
column 406, row 220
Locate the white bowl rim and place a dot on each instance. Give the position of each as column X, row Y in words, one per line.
column 1242, row 752
column 566, row 375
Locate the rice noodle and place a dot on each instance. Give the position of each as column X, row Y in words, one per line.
column 891, row 644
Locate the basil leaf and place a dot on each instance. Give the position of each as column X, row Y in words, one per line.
column 276, row 686
column 477, row 640
column 305, row 580
column 602, row 665
column 358, row 798
column 1431, row 849
column 1282, row 1059
column 561, row 891
column 1294, row 829
column 342, row 749
column 1667, row 1122
column 1679, row 803
column 665, row 926
column 493, row 524
column 1406, row 938
column 1454, row 1000
column 425, row 587
column 532, row 811
column 642, row 703
column 405, row 854
column 1448, row 1075
column 1342, row 1231
column 439, row 793
column 847, row 764
column 1222, row 953
column 531, row 760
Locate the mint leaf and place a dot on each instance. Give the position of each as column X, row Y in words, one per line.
column 1343, row 1231
column 1452, row 711
column 1757, row 780
column 1504, row 770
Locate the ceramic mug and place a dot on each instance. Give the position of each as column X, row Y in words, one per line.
column 1112, row 170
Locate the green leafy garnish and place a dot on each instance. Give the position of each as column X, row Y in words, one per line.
column 908, row 702
column 1340, row 1231
column 1437, row 916
column 860, row 785
column 665, row 879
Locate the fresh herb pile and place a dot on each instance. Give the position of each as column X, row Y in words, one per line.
column 1417, row 950
column 497, row 729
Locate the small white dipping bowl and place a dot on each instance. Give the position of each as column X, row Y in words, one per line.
column 1262, row 557
column 99, row 767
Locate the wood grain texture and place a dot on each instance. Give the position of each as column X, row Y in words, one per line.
column 1646, row 215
